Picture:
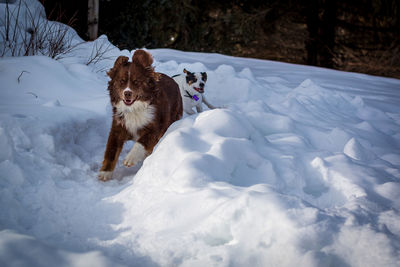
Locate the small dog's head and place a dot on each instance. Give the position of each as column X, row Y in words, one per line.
column 132, row 81
column 195, row 80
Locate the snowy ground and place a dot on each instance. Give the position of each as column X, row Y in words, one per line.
column 301, row 167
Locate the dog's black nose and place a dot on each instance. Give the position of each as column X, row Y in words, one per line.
column 128, row 94
column 201, row 85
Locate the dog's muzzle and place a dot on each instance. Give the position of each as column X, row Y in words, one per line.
column 199, row 89
column 128, row 97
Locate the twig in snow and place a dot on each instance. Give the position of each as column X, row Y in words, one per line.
column 19, row 77
column 31, row 93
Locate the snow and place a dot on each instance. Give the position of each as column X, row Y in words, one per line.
column 301, row 166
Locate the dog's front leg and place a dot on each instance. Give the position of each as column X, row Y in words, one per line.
column 113, row 149
column 199, row 108
column 208, row 103
column 142, row 148
column 137, row 154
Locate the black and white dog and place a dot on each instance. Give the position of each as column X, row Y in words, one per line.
column 191, row 86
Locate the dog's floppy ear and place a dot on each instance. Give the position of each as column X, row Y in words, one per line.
column 204, row 76
column 142, row 58
column 121, row 60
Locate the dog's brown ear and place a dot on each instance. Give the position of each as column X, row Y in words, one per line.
column 121, row 60
column 204, row 76
column 142, row 58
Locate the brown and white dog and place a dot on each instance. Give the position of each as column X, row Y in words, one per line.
column 191, row 86
column 145, row 103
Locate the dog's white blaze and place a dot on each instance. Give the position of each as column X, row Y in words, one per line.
column 137, row 154
column 137, row 115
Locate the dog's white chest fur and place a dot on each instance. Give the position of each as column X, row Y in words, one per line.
column 187, row 93
column 135, row 116
column 190, row 98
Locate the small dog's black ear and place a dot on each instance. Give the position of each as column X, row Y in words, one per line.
column 121, row 60
column 204, row 76
column 187, row 72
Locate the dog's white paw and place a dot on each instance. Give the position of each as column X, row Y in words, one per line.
column 189, row 111
column 105, row 176
column 137, row 154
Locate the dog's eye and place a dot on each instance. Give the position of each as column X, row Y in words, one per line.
column 191, row 81
column 122, row 81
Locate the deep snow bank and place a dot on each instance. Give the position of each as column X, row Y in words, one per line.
column 283, row 174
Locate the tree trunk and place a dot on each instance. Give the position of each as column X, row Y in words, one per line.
column 312, row 21
column 93, row 19
column 327, row 33
column 321, row 25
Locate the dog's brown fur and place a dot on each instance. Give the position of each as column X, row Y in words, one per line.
column 158, row 93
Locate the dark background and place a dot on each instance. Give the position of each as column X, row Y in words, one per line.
column 357, row 35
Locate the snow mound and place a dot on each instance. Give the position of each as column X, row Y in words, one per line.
column 17, row 249
column 300, row 167
column 305, row 178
